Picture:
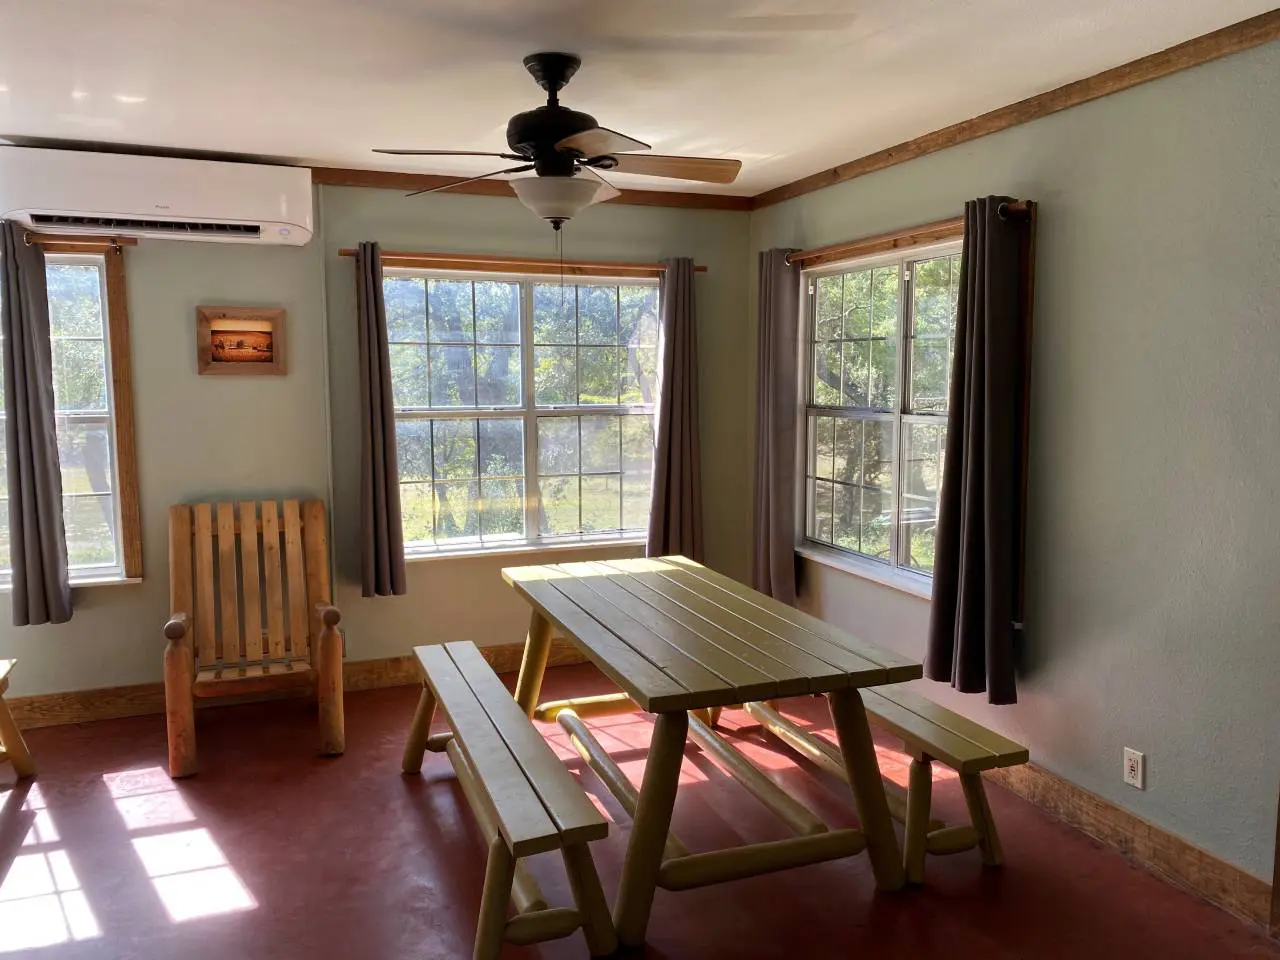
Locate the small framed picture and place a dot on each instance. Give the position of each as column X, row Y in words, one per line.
column 240, row 340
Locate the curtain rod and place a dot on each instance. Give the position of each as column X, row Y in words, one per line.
column 489, row 263
column 897, row 239
column 880, row 242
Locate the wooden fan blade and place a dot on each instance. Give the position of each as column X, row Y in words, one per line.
column 449, row 153
column 706, row 169
column 457, row 183
column 599, row 142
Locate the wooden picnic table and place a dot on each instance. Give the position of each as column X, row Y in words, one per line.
column 678, row 637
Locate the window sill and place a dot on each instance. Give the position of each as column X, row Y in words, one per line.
column 880, row 573
column 524, row 549
column 105, row 580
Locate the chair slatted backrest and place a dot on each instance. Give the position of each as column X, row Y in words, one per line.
column 249, row 574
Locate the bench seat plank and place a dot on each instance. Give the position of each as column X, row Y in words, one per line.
column 566, row 804
column 522, row 819
column 957, row 741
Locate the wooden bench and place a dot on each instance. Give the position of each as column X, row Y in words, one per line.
column 12, row 747
column 931, row 732
column 523, row 798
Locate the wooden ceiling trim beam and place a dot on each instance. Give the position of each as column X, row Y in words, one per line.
column 388, row 180
column 1238, row 37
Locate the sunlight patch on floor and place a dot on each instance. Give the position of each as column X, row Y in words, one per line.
column 41, row 903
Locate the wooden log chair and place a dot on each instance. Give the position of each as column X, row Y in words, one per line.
column 249, row 590
column 13, row 749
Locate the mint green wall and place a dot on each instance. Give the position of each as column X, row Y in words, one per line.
column 1153, row 619
column 197, row 437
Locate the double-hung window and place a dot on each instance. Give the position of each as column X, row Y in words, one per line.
column 97, row 462
column 524, row 408
column 881, row 334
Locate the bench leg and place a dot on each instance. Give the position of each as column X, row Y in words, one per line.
column 975, row 797
column 602, row 940
column 537, row 650
column 916, row 838
column 499, row 875
column 650, row 828
column 13, row 744
column 416, row 746
column 859, row 753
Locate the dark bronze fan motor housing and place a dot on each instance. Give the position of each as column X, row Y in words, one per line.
column 535, row 133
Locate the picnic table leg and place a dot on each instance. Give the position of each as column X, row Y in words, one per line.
column 859, row 754
column 537, row 649
column 650, row 828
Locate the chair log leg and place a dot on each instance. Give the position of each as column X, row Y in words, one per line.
column 333, row 739
column 975, row 797
column 714, row 716
column 916, row 838
column 499, row 875
column 416, row 746
column 859, row 753
column 14, row 745
column 537, row 650
column 650, row 828
column 597, row 924
column 180, row 707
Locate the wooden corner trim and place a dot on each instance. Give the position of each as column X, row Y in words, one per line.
column 389, row 180
column 1162, row 853
column 121, row 352
column 1238, row 37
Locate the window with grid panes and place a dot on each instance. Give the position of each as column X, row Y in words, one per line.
column 881, row 335
column 85, row 425
column 524, row 408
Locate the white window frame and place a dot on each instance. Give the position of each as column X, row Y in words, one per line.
column 888, row 572
column 99, row 573
column 529, row 412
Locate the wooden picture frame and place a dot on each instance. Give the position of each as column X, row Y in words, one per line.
column 240, row 341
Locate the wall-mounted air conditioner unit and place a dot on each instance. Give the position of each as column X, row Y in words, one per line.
column 69, row 191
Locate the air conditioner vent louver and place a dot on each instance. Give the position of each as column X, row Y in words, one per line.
column 176, row 227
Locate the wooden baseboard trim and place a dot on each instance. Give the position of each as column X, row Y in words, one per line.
column 143, row 699
column 1170, row 857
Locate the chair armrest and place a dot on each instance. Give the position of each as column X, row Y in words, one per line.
column 178, row 626
column 329, row 615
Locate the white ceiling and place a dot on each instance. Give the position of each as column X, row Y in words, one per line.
column 323, row 81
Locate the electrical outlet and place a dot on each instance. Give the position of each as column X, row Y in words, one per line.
column 1135, row 769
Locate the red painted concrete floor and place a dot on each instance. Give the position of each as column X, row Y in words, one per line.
column 273, row 853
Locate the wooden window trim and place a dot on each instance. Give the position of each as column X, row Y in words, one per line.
column 123, row 409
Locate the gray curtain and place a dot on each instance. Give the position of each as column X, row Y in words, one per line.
column 675, row 523
column 774, row 562
column 381, row 536
column 37, row 539
column 977, row 580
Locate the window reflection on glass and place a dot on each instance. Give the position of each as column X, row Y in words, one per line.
column 495, row 383
column 83, row 421
column 881, row 339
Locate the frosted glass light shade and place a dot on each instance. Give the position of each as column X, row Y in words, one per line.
column 558, row 198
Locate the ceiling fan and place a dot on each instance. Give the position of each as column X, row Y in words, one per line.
column 558, row 144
